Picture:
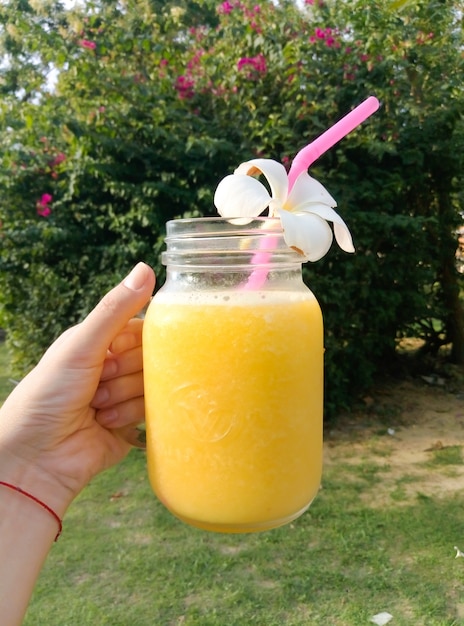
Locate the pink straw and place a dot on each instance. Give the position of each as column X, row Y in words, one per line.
column 302, row 162
column 306, row 157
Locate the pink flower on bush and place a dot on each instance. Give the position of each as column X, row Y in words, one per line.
column 326, row 35
column 251, row 16
column 195, row 60
column 85, row 43
column 422, row 38
column 60, row 157
column 349, row 72
column 42, row 207
column 225, row 8
column 185, row 86
column 256, row 64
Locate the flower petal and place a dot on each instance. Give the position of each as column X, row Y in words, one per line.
column 274, row 172
column 342, row 234
column 304, row 212
column 307, row 233
column 238, row 195
column 307, row 189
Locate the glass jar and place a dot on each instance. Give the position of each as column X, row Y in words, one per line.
column 233, row 375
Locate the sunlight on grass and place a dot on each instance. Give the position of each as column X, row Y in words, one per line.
column 449, row 455
column 123, row 559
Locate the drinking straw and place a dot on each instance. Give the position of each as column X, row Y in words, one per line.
column 303, row 160
column 306, row 157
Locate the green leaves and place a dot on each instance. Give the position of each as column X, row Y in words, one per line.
column 397, row 5
column 155, row 102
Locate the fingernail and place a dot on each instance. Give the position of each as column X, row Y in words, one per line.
column 110, row 368
column 137, row 278
column 107, row 417
column 124, row 342
column 101, row 396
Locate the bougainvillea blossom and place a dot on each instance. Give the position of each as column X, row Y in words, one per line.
column 42, row 206
column 86, row 43
column 257, row 63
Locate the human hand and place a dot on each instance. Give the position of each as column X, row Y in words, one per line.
column 74, row 415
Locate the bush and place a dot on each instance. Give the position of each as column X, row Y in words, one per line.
column 155, row 102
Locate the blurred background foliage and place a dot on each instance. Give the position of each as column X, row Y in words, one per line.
column 117, row 115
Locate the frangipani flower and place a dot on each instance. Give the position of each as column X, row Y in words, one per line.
column 304, row 210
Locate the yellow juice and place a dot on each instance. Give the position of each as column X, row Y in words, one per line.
column 233, row 393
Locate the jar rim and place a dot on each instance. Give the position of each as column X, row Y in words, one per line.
column 206, row 226
column 237, row 242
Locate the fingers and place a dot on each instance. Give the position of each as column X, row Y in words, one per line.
column 119, row 398
column 107, row 345
column 129, row 337
column 130, row 362
column 125, row 352
column 119, row 401
column 117, row 390
column 123, row 414
column 92, row 337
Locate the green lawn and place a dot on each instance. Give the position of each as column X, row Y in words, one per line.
column 124, row 560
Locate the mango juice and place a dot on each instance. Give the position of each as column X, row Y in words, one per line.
column 233, row 393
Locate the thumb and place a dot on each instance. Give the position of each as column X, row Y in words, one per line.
column 115, row 309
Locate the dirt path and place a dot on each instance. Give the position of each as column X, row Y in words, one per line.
column 412, row 433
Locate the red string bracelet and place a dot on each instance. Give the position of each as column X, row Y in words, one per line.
column 37, row 501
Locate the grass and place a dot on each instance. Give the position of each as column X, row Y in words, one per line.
column 123, row 559
column 451, row 455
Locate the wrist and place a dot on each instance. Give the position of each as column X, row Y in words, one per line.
column 36, row 501
column 27, row 532
column 30, row 478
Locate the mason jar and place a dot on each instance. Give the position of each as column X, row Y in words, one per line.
column 233, row 377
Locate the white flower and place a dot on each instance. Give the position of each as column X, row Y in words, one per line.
column 303, row 212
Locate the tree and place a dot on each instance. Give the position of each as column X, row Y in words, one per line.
column 155, row 102
column 414, row 61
